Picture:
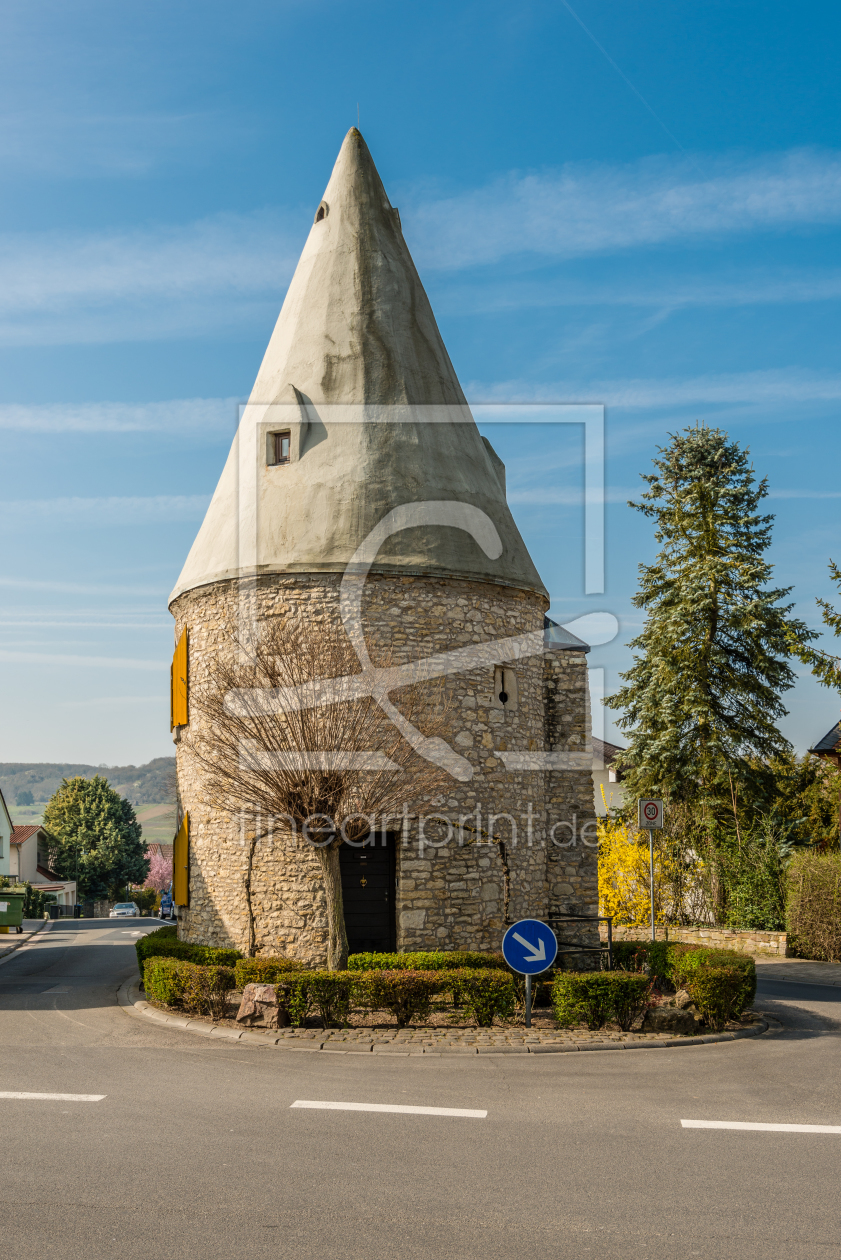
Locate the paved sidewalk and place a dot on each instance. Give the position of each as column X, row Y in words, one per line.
column 799, row 971
column 11, row 941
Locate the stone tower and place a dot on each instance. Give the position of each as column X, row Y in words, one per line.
column 358, row 446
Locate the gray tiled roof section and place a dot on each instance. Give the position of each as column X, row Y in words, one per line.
column 555, row 636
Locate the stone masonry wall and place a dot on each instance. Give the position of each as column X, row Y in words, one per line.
column 572, row 841
column 761, row 944
column 451, row 893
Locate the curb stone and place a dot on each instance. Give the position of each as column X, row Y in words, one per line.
column 128, row 997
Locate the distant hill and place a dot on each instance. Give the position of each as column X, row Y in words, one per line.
column 143, row 785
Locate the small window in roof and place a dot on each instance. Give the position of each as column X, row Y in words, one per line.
column 321, row 212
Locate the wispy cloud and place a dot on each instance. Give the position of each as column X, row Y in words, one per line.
column 80, row 662
column 166, row 281
column 587, row 208
column 112, row 510
column 750, row 288
column 61, row 142
column 231, row 270
column 110, row 702
column 195, row 415
column 77, row 588
column 777, row 385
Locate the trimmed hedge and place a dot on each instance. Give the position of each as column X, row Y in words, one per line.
column 687, row 965
column 484, row 994
column 434, row 960
column 165, row 944
column 407, row 994
column 200, row 990
column 718, row 994
column 594, row 997
column 677, row 962
column 264, row 970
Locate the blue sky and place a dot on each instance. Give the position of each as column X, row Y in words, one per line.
column 652, row 225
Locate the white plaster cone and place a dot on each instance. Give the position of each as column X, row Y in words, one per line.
column 357, row 370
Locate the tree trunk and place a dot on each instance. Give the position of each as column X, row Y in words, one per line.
column 337, row 948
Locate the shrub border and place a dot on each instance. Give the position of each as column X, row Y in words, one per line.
column 129, row 998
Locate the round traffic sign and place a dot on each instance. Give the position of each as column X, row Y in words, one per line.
column 650, row 810
column 529, row 947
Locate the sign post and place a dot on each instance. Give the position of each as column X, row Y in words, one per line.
column 529, row 947
column 650, row 819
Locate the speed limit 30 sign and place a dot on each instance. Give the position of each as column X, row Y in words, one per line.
column 650, row 815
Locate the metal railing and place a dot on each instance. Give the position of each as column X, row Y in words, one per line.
column 572, row 947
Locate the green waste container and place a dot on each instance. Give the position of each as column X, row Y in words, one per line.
column 11, row 910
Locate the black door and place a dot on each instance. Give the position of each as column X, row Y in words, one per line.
column 368, row 893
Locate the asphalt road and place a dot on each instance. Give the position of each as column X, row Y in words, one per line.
column 195, row 1150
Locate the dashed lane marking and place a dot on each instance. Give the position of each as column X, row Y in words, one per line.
column 761, row 1128
column 390, row 1107
column 5, row 1093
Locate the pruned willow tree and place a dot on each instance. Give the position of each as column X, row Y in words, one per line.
column 289, row 734
column 701, row 701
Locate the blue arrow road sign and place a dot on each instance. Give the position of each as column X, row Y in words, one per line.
column 529, row 947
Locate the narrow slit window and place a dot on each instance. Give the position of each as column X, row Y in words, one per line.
column 282, row 445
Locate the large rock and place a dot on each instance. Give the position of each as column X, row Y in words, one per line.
column 668, row 1019
column 259, row 1008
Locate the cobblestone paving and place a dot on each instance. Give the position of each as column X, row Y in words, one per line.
column 511, row 1039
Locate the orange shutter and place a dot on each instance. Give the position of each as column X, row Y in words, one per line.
column 181, row 864
column 178, row 714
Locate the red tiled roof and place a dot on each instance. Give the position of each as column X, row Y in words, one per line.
column 19, row 834
column 165, row 850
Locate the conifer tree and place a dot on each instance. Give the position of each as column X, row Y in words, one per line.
column 702, row 699
column 96, row 838
column 825, row 666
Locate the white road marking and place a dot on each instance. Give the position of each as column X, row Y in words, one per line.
column 761, row 1128
column 400, row 1110
column 5, row 1093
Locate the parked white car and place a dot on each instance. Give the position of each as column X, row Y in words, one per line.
column 125, row 910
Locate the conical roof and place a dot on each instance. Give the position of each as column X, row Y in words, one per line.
column 357, row 374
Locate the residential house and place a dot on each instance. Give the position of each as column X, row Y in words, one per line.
column 607, row 781
column 6, row 828
column 29, row 861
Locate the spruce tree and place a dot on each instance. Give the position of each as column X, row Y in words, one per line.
column 702, row 699
column 825, row 666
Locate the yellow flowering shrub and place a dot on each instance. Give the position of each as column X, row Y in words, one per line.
column 624, row 880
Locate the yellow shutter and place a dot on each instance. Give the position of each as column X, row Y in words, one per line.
column 178, row 708
column 181, row 864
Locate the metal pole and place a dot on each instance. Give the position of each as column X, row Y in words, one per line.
column 651, row 868
column 528, row 1001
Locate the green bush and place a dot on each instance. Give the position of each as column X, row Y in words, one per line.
column 595, row 997
column 264, row 970
column 165, row 944
column 407, row 994
column 717, row 992
column 199, row 990
column 648, row 956
column 164, row 980
column 684, row 966
column 330, row 992
column 485, row 995
column 433, row 960
column 206, row 989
